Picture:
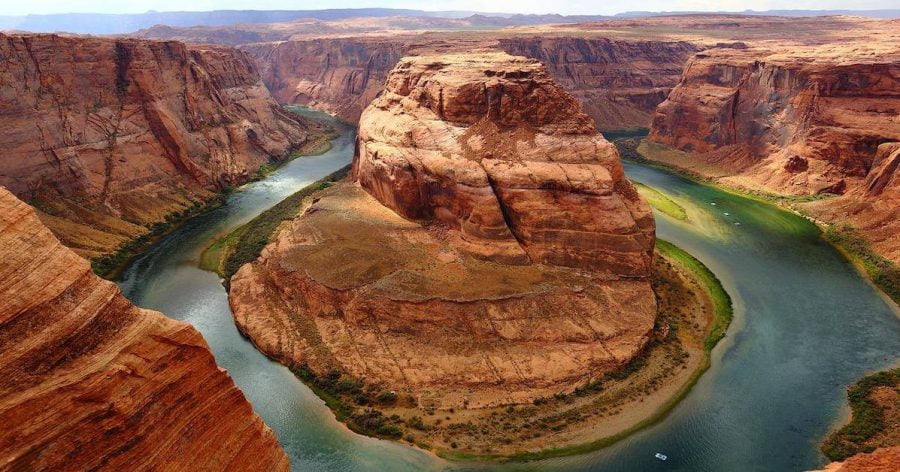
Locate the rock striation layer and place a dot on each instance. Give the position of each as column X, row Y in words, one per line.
column 489, row 145
column 90, row 382
column 618, row 82
column 107, row 136
column 491, row 252
column 804, row 121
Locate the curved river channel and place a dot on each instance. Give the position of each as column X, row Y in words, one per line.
column 806, row 325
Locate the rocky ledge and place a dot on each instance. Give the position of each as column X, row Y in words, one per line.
column 491, row 251
column 88, row 381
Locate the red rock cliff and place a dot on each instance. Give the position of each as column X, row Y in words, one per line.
column 490, row 145
column 491, row 252
column 805, row 121
column 90, row 382
column 618, row 82
column 787, row 124
column 107, row 136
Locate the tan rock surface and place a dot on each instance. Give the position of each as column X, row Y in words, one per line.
column 90, row 382
column 108, row 136
column 491, row 253
column 488, row 144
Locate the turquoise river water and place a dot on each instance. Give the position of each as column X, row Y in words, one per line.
column 806, row 325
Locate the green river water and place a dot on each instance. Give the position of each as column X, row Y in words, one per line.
column 806, row 325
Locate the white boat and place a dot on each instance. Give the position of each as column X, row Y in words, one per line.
column 727, row 214
column 713, row 203
column 661, row 456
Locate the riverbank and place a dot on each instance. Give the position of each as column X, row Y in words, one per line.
column 875, row 417
column 110, row 266
column 693, row 312
column 242, row 245
column 882, row 273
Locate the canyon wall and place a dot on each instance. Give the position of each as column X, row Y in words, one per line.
column 88, row 381
column 108, row 136
column 469, row 167
column 807, row 121
column 619, row 83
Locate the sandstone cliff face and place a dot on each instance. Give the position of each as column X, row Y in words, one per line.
column 90, row 382
column 107, row 136
column 807, row 121
column 491, row 252
column 619, row 83
column 339, row 76
column 490, row 145
column 789, row 125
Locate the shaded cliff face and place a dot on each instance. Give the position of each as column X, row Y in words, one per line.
column 788, row 125
column 618, row 83
column 470, row 167
column 90, row 382
column 107, row 136
column 339, row 76
column 803, row 121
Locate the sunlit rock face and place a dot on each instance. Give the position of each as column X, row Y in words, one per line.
column 88, row 381
column 489, row 145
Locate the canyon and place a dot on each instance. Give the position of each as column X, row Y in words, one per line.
column 474, row 166
column 800, row 120
column 788, row 106
column 108, row 137
column 91, row 382
column 482, row 165
column 619, row 83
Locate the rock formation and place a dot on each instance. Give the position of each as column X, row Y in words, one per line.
column 491, row 252
column 108, row 136
column 618, row 82
column 489, row 145
column 90, row 382
column 801, row 121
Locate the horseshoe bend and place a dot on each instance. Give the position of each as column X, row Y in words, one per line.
column 486, row 254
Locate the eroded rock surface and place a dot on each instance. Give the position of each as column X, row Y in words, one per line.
column 492, row 251
column 618, row 82
column 88, row 381
column 810, row 120
column 108, row 136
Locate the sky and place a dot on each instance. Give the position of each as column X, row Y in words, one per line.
column 569, row 7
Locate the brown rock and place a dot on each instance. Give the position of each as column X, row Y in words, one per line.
column 491, row 253
column 490, row 145
column 108, row 136
column 90, row 382
column 800, row 121
column 618, row 82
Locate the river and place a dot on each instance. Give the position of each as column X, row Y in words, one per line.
column 806, row 325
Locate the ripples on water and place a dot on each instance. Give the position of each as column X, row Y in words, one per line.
column 806, row 326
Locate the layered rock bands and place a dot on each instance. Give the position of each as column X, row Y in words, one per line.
column 107, row 136
column 90, row 382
